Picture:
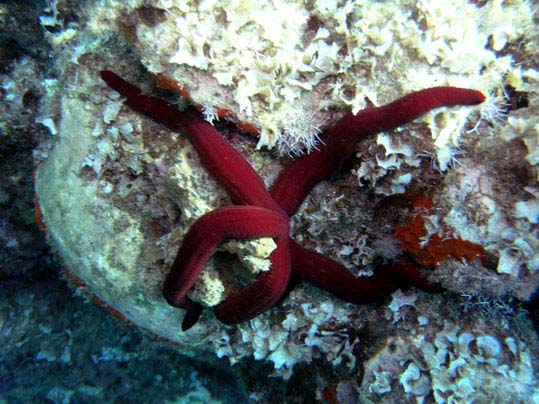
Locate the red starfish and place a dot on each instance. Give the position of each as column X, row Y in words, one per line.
column 267, row 214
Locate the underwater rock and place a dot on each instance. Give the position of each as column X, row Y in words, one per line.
column 118, row 192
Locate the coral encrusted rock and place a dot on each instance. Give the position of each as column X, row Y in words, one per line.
column 118, row 192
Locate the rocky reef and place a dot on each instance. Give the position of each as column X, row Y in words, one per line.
column 117, row 192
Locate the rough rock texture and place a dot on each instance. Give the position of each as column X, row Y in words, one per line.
column 22, row 247
column 56, row 348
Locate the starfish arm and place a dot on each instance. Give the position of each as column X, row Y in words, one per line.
column 342, row 137
column 193, row 310
column 262, row 294
column 408, row 273
column 153, row 107
column 333, row 277
column 299, row 177
column 203, row 238
column 226, row 165
column 220, row 159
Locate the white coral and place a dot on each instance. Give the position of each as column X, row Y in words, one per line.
column 456, row 366
column 395, row 156
column 302, row 336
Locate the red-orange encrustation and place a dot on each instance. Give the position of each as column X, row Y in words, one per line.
column 267, row 213
column 436, row 248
